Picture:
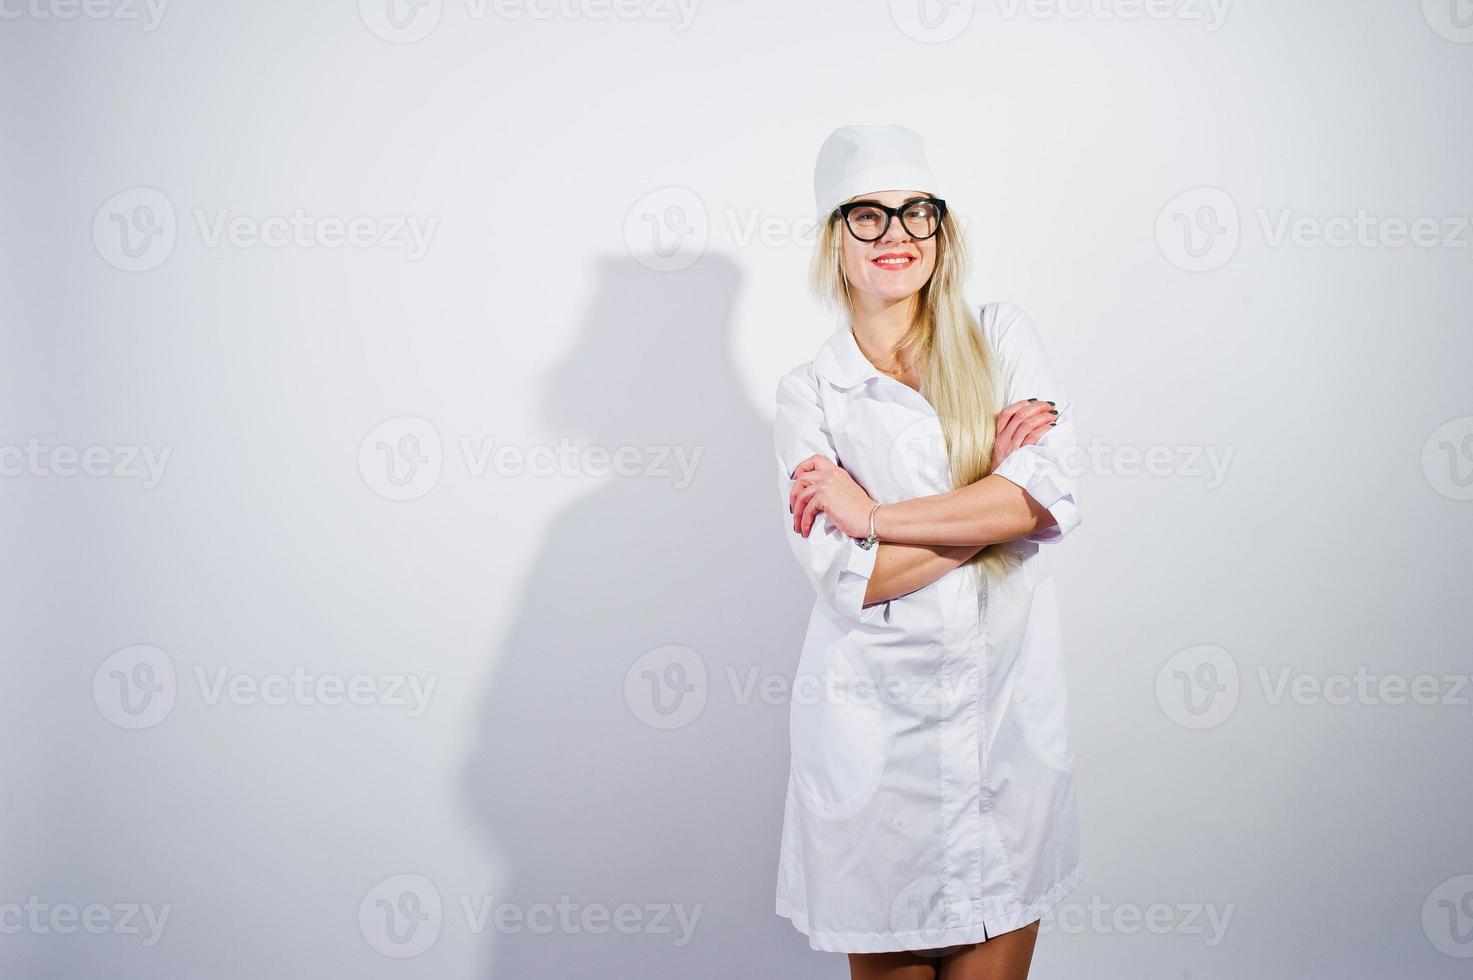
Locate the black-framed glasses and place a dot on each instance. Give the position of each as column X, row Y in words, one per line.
column 869, row 220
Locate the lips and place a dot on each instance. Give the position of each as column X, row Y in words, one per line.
column 894, row 261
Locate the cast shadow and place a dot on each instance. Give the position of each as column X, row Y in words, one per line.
column 585, row 801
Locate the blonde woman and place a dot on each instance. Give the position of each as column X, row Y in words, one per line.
column 925, row 456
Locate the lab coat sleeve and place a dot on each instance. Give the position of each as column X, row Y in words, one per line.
column 837, row 567
column 1049, row 469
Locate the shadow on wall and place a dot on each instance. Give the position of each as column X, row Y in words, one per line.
column 570, row 779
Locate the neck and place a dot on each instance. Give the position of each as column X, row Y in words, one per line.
column 879, row 324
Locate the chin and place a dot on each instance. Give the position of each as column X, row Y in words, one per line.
column 894, row 291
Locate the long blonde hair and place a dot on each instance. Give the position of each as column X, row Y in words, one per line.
column 962, row 379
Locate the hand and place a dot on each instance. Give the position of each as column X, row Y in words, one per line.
column 1021, row 424
column 820, row 484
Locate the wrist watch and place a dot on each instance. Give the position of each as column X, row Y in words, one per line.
column 873, row 539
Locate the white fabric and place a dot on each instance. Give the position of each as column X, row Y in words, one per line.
column 930, row 797
column 865, row 159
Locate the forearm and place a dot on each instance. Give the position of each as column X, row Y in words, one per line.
column 903, row 568
column 992, row 510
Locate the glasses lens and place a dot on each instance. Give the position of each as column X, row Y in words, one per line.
column 921, row 219
column 867, row 223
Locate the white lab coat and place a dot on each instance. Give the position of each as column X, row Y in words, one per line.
column 930, row 798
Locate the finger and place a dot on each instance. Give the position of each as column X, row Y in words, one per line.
column 811, row 509
column 1015, row 428
column 1015, row 406
column 1041, row 423
column 804, row 510
column 799, row 482
column 809, row 465
column 812, row 464
column 1026, row 416
column 1007, row 414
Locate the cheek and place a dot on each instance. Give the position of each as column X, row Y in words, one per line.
column 928, row 263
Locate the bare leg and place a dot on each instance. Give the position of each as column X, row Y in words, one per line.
column 1003, row 957
column 905, row 965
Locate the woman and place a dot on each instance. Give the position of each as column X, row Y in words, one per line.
column 930, row 818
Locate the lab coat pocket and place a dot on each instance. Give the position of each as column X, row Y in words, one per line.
column 835, row 718
column 1040, row 694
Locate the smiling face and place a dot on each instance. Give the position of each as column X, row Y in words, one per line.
column 894, row 266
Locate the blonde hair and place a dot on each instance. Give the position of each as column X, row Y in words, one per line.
column 962, row 379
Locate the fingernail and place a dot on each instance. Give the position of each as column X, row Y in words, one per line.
column 1053, row 411
column 1050, row 403
column 1053, row 423
column 1033, row 399
column 790, row 508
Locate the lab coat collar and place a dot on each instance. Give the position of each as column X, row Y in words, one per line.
column 842, row 362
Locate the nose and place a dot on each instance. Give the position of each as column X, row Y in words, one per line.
column 896, row 233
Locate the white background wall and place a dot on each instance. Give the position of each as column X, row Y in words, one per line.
column 1232, row 827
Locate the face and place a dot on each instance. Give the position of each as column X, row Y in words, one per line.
column 894, row 266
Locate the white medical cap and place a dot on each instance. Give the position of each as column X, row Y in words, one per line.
column 864, row 159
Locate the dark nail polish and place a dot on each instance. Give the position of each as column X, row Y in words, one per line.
column 1033, row 399
column 1050, row 403
column 1053, row 411
column 1053, row 423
